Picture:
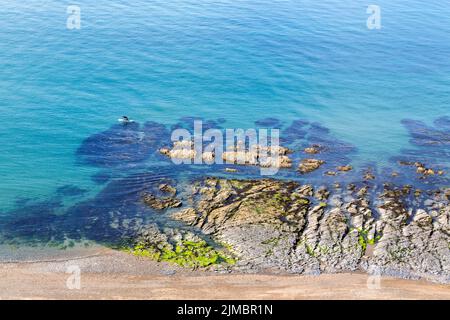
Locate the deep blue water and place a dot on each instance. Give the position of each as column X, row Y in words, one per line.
column 376, row 95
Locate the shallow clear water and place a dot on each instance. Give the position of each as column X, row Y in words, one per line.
column 233, row 59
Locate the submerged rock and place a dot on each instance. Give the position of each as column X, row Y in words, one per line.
column 122, row 145
column 269, row 123
column 431, row 146
column 70, row 191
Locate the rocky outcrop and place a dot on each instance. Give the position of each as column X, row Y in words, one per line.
column 160, row 203
column 414, row 242
column 257, row 155
column 288, row 227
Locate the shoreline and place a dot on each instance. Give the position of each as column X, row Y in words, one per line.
column 311, row 239
column 117, row 275
column 320, row 216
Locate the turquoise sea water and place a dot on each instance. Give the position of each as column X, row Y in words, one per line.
column 239, row 60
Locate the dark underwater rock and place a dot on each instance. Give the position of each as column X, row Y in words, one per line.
column 269, row 123
column 101, row 177
column 431, row 151
column 70, row 191
column 122, row 145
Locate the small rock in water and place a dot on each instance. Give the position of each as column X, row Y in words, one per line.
column 168, row 189
column 309, row 165
column 369, row 176
column 314, row 149
column 160, row 203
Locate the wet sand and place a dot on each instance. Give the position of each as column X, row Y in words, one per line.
column 116, row 275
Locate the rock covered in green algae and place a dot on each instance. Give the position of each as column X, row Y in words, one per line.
column 287, row 227
column 183, row 248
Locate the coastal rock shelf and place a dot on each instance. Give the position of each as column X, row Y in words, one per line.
column 282, row 226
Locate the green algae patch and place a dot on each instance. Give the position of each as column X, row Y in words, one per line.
column 193, row 254
column 303, row 201
column 310, row 250
column 281, row 198
column 364, row 240
column 239, row 184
